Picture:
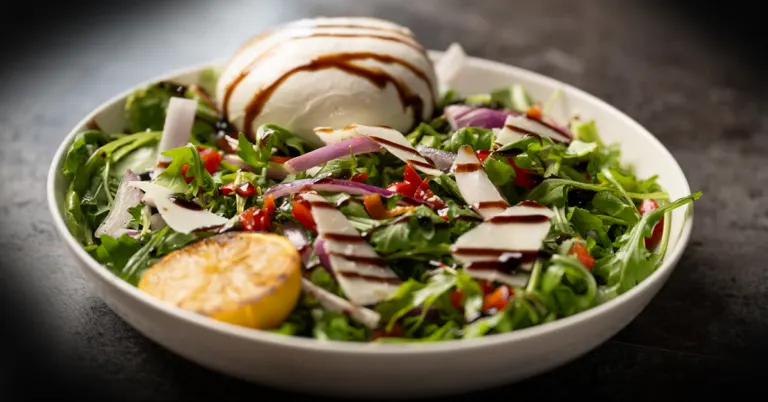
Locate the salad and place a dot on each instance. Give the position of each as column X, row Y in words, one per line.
column 486, row 218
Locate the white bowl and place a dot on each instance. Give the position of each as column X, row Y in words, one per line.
column 395, row 370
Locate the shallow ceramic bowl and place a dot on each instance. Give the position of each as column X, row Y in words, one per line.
column 395, row 370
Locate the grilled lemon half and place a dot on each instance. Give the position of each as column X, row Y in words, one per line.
column 246, row 279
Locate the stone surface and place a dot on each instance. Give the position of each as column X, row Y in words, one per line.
column 699, row 88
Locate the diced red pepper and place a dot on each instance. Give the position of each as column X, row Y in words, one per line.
column 581, row 252
column 301, row 211
column 534, row 112
column 403, row 188
column 645, row 207
column 498, row 298
column 482, row 154
column 424, row 193
column 211, row 159
column 359, row 177
column 411, row 176
column 184, row 170
column 246, row 189
column 382, row 333
column 255, row 219
column 269, row 204
column 227, row 189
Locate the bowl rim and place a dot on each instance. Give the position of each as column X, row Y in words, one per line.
column 311, row 344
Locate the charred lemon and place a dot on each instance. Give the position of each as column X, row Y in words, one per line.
column 247, row 279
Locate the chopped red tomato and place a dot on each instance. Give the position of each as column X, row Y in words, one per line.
column 184, row 170
column 486, row 286
column 457, row 298
column 211, row 159
column 645, row 207
column 301, row 212
column 227, row 189
column 383, row 333
column 581, row 252
column 359, row 177
column 255, row 219
column 498, row 298
column 482, row 155
column 246, row 189
column 523, row 177
column 424, row 193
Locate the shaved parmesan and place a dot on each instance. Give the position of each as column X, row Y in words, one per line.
column 504, row 247
column 396, row 143
column 518, row 127
column 363, row 276
column 475, row 186
column 330, row 301
column 180, row 218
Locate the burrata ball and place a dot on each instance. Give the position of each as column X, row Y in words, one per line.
column 328, row 72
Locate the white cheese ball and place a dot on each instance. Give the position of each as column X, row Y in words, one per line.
column 328, row 72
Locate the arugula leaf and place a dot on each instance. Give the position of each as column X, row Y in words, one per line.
column 586, row 223
column 173, row 179
column 514, row 97
column 115, row 253
column 610, row 204
column 632, row 262
column 550, row 192
column 420, row 236
column 498, row 170
column 330, row 325
column 477, row 138
column 145, row 108
column 568, row 287
column 142, row 258
column 425, row 135
column 586, row 132
column 82, row 147
column 413, row 294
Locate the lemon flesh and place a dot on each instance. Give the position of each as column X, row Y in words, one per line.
column 246, row 279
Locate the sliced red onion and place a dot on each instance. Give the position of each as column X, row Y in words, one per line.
column 442, row 159
column 127, row 196
column 332, row 186
column 129, row 232
column 177, row 129
column 330, row 301
column 276, row 173
column 299, row 239
column 460, row 116
column 327, row 153
column 322, row 254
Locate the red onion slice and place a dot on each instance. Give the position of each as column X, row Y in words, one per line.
column 299, row 239
column 332, row 186
column 442, row 159
column 322, row 254
column 330, row 301
column 127, row 196
column 460, row 116
column 327, row 153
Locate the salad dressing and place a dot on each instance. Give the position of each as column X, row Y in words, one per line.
column 192, row 206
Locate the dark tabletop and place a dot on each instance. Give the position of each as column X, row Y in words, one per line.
column 695, row 82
